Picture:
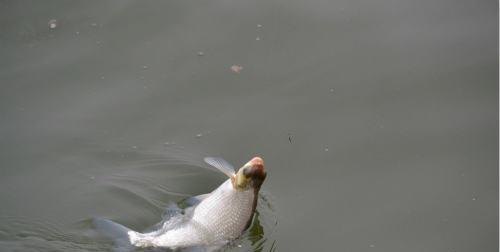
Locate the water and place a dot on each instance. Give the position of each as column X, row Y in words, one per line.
column 377, row 120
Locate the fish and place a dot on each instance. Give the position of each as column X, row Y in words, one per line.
column 210, row 220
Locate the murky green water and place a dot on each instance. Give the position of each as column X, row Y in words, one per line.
column 377, row 120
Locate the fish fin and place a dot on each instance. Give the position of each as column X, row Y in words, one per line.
column 116, row 232
column 195, row 200
column 221, row 165
column 171, row 210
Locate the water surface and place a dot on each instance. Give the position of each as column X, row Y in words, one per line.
column 377, row 120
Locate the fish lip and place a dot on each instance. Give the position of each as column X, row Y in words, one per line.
column 257, row 161
column 255, row 169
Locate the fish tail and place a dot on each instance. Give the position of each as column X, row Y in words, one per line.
column 120, row 234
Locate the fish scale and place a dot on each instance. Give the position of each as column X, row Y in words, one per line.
column 220, row 217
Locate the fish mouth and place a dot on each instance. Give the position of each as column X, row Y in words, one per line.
column 251, row 175
column 255, row 169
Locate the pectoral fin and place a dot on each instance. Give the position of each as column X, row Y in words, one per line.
column 221, row 165
column 195, row 200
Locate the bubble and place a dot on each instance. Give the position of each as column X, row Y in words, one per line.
column 236, row 68
column 52, row 24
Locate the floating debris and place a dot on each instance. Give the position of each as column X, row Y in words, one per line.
column 326, row 149
column 257, row 38
column 52, row 24
column 168, row 143
column 93, row 24
column 474, row 198
column 200, row 53
column 145, row 67
column 372, row 246
column 77, row 33
column 290, row 137
column 259, row 26
column 236, row 68
column 331, row 90
column 134, row 147
column 199, row 135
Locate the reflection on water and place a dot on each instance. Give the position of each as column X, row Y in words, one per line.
column 260, row 235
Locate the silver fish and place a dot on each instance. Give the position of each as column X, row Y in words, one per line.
column 211, row 220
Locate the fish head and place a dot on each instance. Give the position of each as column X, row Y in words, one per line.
column 250, row 176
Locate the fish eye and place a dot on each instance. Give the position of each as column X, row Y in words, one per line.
column 247, row 172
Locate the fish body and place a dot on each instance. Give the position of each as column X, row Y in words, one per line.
column 214, row 218
column 221, row 216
